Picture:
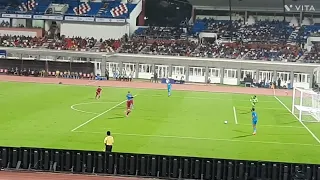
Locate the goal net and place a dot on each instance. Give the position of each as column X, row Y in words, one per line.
column 306, row 105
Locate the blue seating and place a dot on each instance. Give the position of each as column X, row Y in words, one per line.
column 41, row 7
column 306, row 31
column 199, row 26
column 98, row 9
column 29, row 6
column 92, row 8
column 139, row 31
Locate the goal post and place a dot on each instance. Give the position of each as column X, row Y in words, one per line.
column 316, row 75
column 306, row 105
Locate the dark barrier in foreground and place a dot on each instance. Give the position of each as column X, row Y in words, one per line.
column 89, row 162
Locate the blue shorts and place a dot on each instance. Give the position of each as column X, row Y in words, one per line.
column 254, row 122
column 169, row 90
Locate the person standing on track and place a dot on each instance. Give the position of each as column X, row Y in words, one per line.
column 108, row 142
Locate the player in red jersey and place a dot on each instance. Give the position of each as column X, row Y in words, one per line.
column 98, row 92
column 129, row 103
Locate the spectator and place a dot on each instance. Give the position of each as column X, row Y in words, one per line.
column 155, row 76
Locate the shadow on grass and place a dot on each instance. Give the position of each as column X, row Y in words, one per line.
column 292, row 122
column 244, row 111
column 245, row 134
column 118, row 116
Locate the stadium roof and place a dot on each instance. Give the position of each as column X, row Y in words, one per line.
column 255, row 5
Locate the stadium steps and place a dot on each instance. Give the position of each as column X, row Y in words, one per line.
column 47, row 43
column 145, row 49
column 103, row 9
column 184, row 36
column 244, row 56
column 57, row 9
column 303, row 56
column 96, row 47
column 293, row 36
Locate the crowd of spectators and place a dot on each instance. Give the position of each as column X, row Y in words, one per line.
column 262, row 40
column 272, row 52
column 313, row 56
column 168, row 33
column 60, row 43
column 274, row 31
column 134, row 46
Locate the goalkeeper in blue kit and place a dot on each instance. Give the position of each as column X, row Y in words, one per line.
column 254, row 101
column 254, row 120
column 169, row 88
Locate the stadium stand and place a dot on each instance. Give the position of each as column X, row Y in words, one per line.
column 263, row 40
column 110, row 9
column 61, row 43
column 270, row 40
column 306, row 31
column 313, row 56
column 174, row 41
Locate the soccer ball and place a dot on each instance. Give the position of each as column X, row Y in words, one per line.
column 226, row 122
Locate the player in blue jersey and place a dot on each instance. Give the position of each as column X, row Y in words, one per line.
column 169, row 87
column 129, row 103
column 254, row 120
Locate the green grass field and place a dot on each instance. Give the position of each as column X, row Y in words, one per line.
column 186, row 124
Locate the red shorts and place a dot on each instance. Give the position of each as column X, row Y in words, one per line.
column 129, row 103
column 98, row 93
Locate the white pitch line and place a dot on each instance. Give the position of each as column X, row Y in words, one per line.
column 273, row 126
column 201, row 138
column 235, row 115
column 95, row 117
column 312, row 134
column 207, row 98
column 87, row 112
column 267, row 108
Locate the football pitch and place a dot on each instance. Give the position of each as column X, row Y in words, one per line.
column 185, row 124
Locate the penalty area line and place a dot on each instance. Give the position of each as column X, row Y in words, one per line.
column 199, row 138
column 312, row 134
column 98, row 115
column 235, row 115
column 273, row 126
column 85, row 103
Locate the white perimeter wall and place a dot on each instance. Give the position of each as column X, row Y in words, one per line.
column 17, row 22
column 18, row 33
column 104, row 31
